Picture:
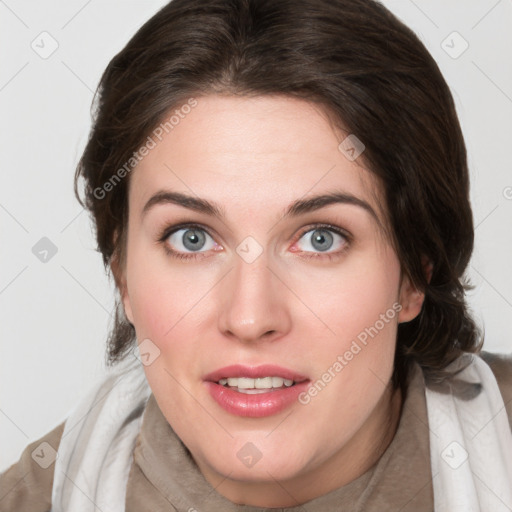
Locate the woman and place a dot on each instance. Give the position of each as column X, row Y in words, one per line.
column 280, row 190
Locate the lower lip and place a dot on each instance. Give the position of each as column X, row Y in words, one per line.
column 257, row 405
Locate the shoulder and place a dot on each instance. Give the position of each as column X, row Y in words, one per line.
column 27, row 484
column 501, row 366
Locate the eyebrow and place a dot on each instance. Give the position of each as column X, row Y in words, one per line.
column 299, row 207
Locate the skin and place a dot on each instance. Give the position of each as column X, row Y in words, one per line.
column 254, row 157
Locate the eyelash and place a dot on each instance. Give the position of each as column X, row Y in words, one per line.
column 167, row 232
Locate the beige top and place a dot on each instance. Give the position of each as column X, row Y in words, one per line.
column 164, row 476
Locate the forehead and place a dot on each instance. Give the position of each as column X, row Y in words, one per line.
column 259, row 152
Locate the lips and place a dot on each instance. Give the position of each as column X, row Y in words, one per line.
column 259, row 402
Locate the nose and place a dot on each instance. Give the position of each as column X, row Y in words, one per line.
column 253, row 303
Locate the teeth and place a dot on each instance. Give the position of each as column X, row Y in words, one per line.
column 260, row 383
column 264, row 383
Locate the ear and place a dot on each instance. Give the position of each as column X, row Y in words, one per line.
column 118, row 271
column 411, row 299
column 125, row 298
column 127, row 309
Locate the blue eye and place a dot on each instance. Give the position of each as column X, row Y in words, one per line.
column 322, row 238
column 191, row 239
column 177, row 240
column 188, row 238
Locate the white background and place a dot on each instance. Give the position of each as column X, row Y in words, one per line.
column 55, row 316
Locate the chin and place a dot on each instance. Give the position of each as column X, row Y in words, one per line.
column 251, row 464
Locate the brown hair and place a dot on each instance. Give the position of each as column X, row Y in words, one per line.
column 371, row 73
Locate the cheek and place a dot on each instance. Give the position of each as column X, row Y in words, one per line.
column 353, row 299
column 354, row 357
column 169, row 305
column 157, row 306
column 156, row 294
column 352, row 362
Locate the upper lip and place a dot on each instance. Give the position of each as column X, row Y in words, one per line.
column 254, row 372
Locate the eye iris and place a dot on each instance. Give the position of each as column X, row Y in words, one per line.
column 192, row 238
column 323, row 238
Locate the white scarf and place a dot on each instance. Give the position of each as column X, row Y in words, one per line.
column 470, row 444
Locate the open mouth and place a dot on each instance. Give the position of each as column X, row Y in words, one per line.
column 255, row 391
column 256, row 386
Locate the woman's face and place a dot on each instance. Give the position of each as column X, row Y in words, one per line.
column 221, row 270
